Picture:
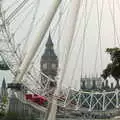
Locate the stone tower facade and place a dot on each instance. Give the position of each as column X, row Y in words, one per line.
column 49, row 62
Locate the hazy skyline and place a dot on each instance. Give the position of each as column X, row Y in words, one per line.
column 104, row 13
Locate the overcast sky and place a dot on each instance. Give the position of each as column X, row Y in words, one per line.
column 91, row 11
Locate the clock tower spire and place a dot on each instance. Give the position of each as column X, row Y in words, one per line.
column 49, row 60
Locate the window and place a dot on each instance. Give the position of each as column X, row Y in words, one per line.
column 45, row 66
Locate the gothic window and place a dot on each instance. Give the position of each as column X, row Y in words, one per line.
column 45, row 66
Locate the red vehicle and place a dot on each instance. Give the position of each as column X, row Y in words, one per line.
column 41, row 100
column 28, row 96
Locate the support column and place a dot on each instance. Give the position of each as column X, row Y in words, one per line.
column 91, row 98
column 104, row 101
column 78, row 102
column 117, row 98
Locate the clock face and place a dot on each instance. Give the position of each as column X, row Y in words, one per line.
column 45, row 66
column 53, row 66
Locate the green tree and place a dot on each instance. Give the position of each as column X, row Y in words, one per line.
column 3, row 107
column 113, row 68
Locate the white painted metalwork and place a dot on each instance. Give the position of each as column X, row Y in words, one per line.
column 43, row 29
column 68, row 35
column 90, row 101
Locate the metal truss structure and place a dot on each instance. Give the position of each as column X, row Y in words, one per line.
column 91, row 103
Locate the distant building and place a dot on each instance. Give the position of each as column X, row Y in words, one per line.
column 4, row 88
column 3, row 92
column 49, row 63
column 90, row 82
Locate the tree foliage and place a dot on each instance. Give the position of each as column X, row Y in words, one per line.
column 113, row 68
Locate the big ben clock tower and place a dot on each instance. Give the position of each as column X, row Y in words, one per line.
column 49, row 62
